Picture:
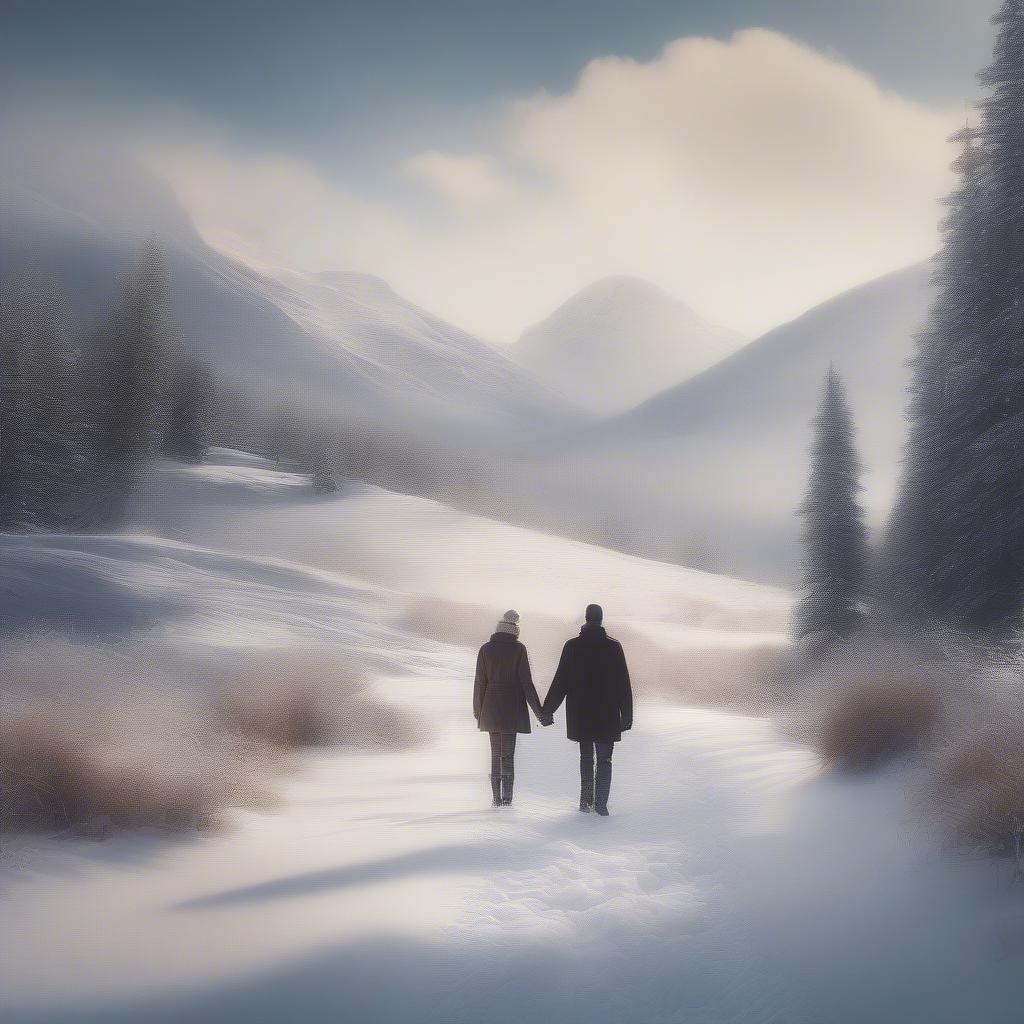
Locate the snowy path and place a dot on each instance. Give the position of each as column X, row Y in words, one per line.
column 389, row 887
column 733, row 882
column 725, row 887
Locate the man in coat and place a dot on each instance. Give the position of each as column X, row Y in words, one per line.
column 593, row 680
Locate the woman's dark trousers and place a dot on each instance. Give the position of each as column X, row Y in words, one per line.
column 503, row 771
column 594, row 790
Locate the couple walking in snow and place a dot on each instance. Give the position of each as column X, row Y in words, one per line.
column 592, row 679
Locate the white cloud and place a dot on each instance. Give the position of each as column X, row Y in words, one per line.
column 469, row 183
column 753, row 178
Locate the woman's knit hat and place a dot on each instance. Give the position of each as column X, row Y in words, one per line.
column 509, row 623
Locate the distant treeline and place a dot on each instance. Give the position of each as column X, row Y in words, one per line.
column 85, row 410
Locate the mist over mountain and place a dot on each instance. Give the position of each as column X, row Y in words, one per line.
column 619, row 341
column 706, row 472
column 710, row 471
column 78, row 210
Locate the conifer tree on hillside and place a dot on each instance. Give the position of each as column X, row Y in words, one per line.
column 991, row 576
column 947, row 403
column 322, row 464
column 39, row 445
column 13, row 343
column 956, row 548
column 190, row 409
column 130, row 354
column 834, row 534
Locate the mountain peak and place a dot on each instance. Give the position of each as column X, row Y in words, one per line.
column 618, row 341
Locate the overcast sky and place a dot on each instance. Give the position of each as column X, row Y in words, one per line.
column 488, row 158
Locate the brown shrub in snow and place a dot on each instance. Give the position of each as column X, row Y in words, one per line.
column 306, row 699
column 96, row 738
column 112, row 757
column 976, row 787
column 718, row 674
column 869, row 717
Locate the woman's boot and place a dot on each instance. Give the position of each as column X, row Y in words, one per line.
column 602, row 787
column 506, row 789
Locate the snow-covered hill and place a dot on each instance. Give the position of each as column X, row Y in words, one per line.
column 722, row 457
column 695, row 633
column 733, row 881
column 341, row 343
column 620, row 340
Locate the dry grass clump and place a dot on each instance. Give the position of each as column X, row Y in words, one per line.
column 94, row 739
column 734, row 678
column 55, row 775
column 870, row 717
column 976, row 787
column 737, row 677
column 282, row 715
column 114, row 756
column 309, row 699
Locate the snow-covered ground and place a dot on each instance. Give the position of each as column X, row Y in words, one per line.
column 733, row 882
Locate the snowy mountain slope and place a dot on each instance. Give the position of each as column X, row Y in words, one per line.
column 697, row 633
column 867, row 333
column 446, row 553
column 343, row 343
column 413, row 351
column 732, row 882
column 164, row 592
column 619, row 341
column 723, row 455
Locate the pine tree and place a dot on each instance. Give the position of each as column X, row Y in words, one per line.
column 957, row 538
column 38, row 448
column 990, row 574
column 187, row 434
column 834, row 534
column 128, row 386
column 13, row 454
column 320, row 460
column 946, row 409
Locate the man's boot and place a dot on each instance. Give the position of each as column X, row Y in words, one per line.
column 496, row 790
column 506, row 789
column 602, row 787
column 586, row 792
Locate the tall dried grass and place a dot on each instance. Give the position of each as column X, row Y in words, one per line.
column 308, row 699
column 976, row 786
column 872, row 717
column 96, row 738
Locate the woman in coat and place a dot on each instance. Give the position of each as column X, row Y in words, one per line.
column 501, row 693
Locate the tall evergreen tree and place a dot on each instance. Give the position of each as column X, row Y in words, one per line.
column 37, row 440
column 957, row 538
column 991, row 576
column 13, row 454
column 834, row 535
column 128, row 381
column 190, row 409
column 320, row 459
column 947, row 406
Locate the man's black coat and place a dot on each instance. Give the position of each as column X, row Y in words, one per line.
column 593, row 680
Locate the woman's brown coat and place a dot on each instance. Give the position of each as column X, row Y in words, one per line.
column 504, row 686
